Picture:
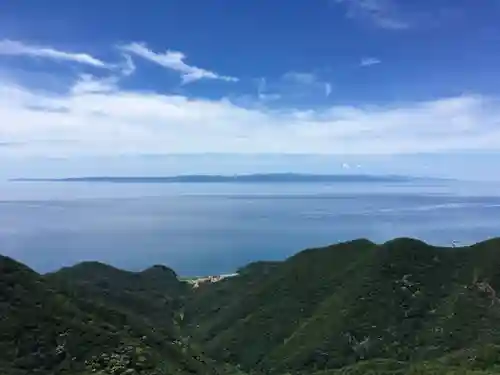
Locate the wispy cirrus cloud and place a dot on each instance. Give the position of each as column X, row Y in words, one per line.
column 128, row 67
column 293, row 85
column 369, row 61
column 308, row 79
column 328, row 89
column 16, row 48
column 382, row 13
column 21, row 49
column 174, row 60
column 301, row 77
column 262, row 91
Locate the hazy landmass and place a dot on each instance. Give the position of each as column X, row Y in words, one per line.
column 249, row 178
column 402, row 307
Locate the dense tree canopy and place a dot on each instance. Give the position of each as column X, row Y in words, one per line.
column 403, row 307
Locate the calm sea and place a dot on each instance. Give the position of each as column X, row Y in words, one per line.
column 201, row 229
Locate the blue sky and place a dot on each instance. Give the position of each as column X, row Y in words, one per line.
column 376, row 86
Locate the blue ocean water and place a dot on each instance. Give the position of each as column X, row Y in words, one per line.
column 200, row 229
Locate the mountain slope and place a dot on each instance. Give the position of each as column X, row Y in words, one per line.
column 400, row 308
column 329, row 308
column 153, row 295
column 45, row 329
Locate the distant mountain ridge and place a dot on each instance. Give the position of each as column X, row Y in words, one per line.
column 243, row 178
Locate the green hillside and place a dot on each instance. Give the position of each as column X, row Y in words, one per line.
column 153, row 296
column 49, row 329
column 329, row 308
column 399, row 308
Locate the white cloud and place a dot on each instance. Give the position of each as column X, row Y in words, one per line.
column 15, row 48
column 90, row 84
column 328, row 89
column 261, row 88
column 382, row 13
column 263, row 94
column 174, row 60
column 369, row 61
column 308, row 79
column 128, row 67
column 350, row 166
column 95, row 119
column 300, row 77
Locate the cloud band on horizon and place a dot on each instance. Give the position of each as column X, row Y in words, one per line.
column 99, row 118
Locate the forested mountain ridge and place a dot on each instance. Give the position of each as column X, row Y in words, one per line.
column 402, row 307
column 154, row 295
column 328, row 308
column 51, row 326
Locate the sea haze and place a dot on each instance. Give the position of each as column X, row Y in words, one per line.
column 210, row 227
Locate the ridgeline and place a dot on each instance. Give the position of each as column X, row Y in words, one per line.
column 402, row 307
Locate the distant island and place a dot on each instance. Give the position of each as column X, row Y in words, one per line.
column 247, row 178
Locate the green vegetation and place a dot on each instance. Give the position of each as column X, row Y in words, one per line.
column 400, row 308
column 48, row 327
column 153, row 296
column 350, row 304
